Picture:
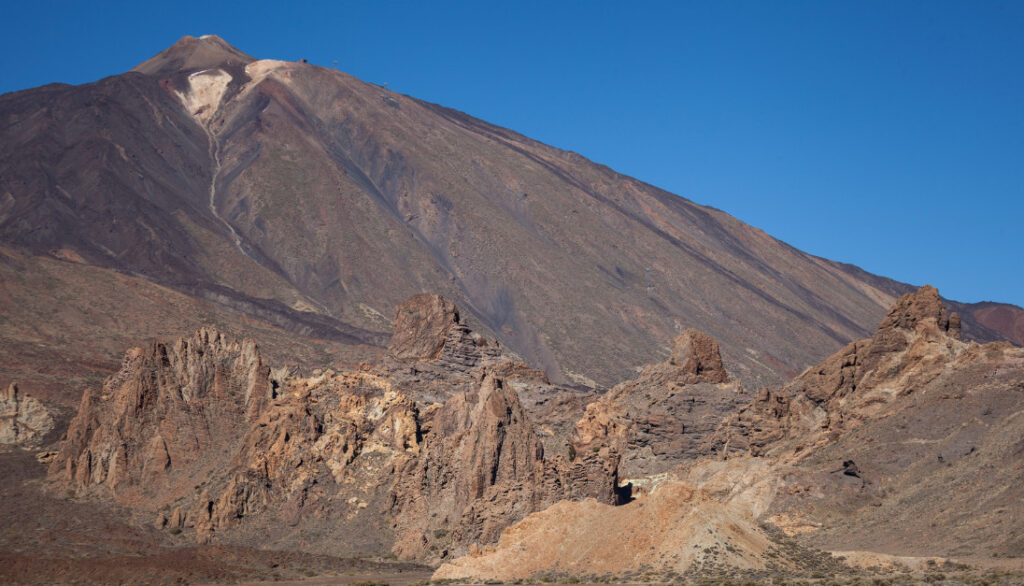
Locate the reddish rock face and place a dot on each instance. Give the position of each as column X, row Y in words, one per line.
column 421, row 327
column 921, row 309
column 434, row 355
column 482, row 468
column 168, row 420
column 695, row 359
column 432, row 350
column 202, row 435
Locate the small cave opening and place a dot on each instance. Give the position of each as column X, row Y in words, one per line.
column 623, row 494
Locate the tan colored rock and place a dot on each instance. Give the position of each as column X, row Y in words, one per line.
column 665, row 416
column 167, row 420
column 24, row 421
column 680, row 527
column 695, row 359
column 434, row 355
column 482, row 467
column 913, row 345
column 236, row 451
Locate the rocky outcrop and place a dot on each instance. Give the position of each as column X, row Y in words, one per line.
column 167, row 421
column 482, row 468
column 24, row 421
column 913, row 345
column 203, row 436
column 434, row 355
column 422, row 326
column 665, row 416
column 323, row 452
column 905, row 442
column 695, row 359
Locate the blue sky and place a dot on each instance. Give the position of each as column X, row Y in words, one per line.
column 885, row 134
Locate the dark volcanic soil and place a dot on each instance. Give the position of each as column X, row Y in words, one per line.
column 48, row 539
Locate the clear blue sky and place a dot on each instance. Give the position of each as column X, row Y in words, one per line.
column 885, row 134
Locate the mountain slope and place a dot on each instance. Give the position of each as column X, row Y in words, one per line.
column 315, row 196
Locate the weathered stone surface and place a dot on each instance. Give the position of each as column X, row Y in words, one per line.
column 695, row 359
column 203, row 436
column 421, row 326
column 912, row 346
column 921, row 309
column 24, row 421
column 167, row 420
column 482, row 468
column 434, row 355
column 664, row 416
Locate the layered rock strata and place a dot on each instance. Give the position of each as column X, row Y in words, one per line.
column 666, row 415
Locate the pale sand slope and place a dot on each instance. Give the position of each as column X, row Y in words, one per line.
column 675, row 528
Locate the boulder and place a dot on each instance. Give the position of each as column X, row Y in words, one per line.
column 24, row 421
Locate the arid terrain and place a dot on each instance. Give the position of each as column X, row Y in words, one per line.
column 279, row 199
column 262, row 321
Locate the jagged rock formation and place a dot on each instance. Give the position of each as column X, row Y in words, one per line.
column 202, row 435
column 909, row 442
column 482, row 467
column 24, row 421
column 434, row 354
column 168, row 420
column 695, row 359
column 913, row 344
column 664, row 416
column 429, row 327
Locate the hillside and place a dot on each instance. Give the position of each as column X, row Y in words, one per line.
column 281, row 196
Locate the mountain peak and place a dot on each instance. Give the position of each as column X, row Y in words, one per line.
column 194, row 53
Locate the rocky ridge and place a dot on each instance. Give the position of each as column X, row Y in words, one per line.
column 434, row 354
column 905, row 445
column 913, row 344
column 205, row 437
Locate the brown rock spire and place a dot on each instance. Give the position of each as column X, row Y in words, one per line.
column 697, row 359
